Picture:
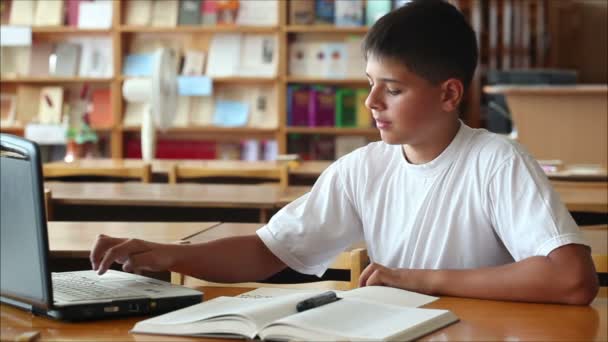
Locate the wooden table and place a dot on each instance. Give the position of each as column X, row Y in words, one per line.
column 161, row 167
column 583, row 196
column 569, row 123
column 479, row 320
column 75, row 239
column 262, row 197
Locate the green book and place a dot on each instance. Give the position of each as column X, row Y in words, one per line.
column 346, row 108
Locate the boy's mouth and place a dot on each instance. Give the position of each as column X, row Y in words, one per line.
column 382, row 124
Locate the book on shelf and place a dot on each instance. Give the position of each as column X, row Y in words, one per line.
column 228, row 151
column 348, row 13
column 324, row 12
column 133, row 115
column 367, row 313
column 251, row 150
column 301, row 12
column 354, row 60
column 8, row 103
column 72, row 7
column 49, row 13
column 316, row 59
column 299, row 106
column 263, row 113
column 364, row 116
column 346, row 144
column 258, row 13
column 100, row 115
column 28, row 101
column 194, row 63
column 270, row 149
column 164, row 13
column 226, row 11
column 50, row 105
column 334, row 64
column 299, row 54
column 322, row 107
column 209, row 13
column 346, row 108
column 224, row 55
column 182, row 113
column 40, row 58
column 22, row 12
column 5, row 11
column 201, row 110
column 14, row 61
column 65, row 60
column 96, row 58
column 259, row 55
column 229, row 113
column 95, row 14
column 375, row 10
column 322, row 147
column 138, row 13
column 189, row 12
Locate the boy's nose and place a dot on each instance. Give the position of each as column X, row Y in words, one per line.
column 372, row 102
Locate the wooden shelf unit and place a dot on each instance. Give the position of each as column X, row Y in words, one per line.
column 121, row 34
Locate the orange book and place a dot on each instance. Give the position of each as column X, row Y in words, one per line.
column 101, row 113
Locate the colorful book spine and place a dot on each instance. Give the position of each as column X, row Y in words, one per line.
column 375, row 10
column 346, row 108
column 364, row 117
column 322, row 108
column 300, row 106
column 324, row 12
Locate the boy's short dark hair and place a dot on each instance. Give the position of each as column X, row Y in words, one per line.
column 430, row 37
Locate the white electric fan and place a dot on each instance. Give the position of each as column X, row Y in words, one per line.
column 159, row 93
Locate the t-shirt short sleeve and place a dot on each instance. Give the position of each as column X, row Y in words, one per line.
column 526, row 212
column 311, row 231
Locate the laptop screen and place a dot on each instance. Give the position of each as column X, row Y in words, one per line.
column 24, row 278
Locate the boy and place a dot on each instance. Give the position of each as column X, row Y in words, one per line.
column 444, row 209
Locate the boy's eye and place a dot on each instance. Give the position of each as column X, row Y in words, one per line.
column 393, row 92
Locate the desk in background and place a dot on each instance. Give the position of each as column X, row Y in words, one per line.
column 569, row 123
column 308, row 170
column 75, row 239
column 148, row 202
column 482, row 320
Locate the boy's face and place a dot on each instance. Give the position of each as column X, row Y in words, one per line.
column 406, row 107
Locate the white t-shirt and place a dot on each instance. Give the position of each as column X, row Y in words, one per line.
column 484, row 201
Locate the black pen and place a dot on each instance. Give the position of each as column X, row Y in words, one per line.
column 316, row 301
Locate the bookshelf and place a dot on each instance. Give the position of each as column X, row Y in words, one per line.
column 485, row 17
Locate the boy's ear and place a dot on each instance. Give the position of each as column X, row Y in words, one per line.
column 452, row 92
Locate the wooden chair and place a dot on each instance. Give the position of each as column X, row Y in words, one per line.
column 244, row 170
column 99, row 168
column 354, row 260
column 48, row 204
column 597, row 237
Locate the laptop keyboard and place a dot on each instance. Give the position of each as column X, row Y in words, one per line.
column 70, row 287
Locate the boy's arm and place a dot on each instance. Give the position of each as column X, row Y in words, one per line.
column 235, row 259
column 567, row 275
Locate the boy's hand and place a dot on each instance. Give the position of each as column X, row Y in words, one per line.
column 376, row 274
column 135, row 255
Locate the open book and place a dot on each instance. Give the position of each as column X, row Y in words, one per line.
column 364, row 314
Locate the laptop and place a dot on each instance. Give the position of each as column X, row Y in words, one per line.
column 26, row 281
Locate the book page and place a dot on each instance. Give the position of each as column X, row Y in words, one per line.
column 257, row 313
column 351, row 319
column 388, row 295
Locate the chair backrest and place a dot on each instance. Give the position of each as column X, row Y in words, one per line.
column 181, row 172
column 99, row 168
column 48, row 204
column 354, row 260
column 597, row 237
